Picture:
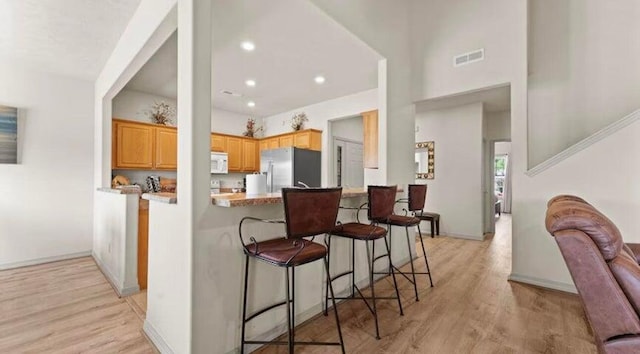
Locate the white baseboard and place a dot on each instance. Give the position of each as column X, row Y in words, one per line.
column 466, row 237
column 156, row 338
column 549, row 284
column 44, row 260
column 113, row 280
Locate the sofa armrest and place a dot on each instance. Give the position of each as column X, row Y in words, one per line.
column 635, row 248
column 622, row 345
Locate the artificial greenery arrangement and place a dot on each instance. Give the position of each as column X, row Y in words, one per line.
column 252, row 129
column 298, row 120
column 161, row 113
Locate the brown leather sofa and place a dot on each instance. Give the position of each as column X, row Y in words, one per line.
column 604, row 269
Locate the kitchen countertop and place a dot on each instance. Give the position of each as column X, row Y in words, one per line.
column 230, row 200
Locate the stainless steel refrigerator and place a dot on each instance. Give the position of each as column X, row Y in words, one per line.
column 289, row 167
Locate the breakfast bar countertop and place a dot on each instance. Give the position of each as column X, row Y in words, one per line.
column 230, row 200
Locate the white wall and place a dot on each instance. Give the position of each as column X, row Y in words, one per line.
column 232, row 123
column 582, row 77
column 498, row 125
column 322, row 112
column 350, row 128
column 456, row 190
column 319, row 115
column 47, row 197
column 116, row 249
column 134, row 105
column 502, row 148
column 444, row 29
column 168, row 320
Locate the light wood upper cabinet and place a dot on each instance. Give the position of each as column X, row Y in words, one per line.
column 234, row 151
column 308, row 139
column 286, row 141
column 250, row 160
column 133, row 145
column 269, row 143
column 166, row 149
column 370, row 123
column 218, row 143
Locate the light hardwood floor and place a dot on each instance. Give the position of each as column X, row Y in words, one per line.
column 471, row 309
column 66, row 307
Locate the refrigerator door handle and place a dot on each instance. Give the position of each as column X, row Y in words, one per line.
column 271, row 176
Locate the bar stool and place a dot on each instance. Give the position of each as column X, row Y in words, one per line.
column 356, row 231
column 418, row 212
column 417, row 196
column 308, row 212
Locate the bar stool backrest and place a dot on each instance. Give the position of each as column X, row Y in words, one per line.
column 381, row 202
column 310, row 211
column 417, row 196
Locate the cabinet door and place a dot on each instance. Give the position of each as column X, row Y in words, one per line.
column 234, row 150
column 264, row 144
column 274, row 143
column 143, row 244
column 133, row 146
column 249, row 155
column 286, row 141
column 218, row 143
column 166, row 149
column 370, row 122
column 302, row 140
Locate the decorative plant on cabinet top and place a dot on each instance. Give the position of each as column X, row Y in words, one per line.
column 298, row 120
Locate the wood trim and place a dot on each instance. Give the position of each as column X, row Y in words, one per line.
column 143, row 123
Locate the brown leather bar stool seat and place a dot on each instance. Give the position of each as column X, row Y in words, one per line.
column 359, row 231
column 308, row 213
column 284, row 251
column 416, row 200
column 369, row 233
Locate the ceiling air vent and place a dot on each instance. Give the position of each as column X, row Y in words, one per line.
column 468, row 58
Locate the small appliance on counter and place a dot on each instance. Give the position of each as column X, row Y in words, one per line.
column 215, row 186
column 219, row 163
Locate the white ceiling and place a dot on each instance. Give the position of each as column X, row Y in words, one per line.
column 496, row 99
column 67, row 37
column 294, row 40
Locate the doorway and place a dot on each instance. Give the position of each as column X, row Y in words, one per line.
column 348, row 163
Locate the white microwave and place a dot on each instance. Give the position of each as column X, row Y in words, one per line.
column 219, row 163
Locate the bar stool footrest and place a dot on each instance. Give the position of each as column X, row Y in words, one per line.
column 256, row 314
column 287, row 343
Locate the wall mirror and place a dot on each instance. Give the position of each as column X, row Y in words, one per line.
column 425, row 160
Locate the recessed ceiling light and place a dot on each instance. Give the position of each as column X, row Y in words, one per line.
column 250, row 83
column 248, row 46
column 251, row 104
column 319, row 79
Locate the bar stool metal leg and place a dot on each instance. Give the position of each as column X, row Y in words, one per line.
column 393, row 275
column 244, row 302
column 326, row 286
column 413, row 271
column 424, row 253
column 289, row 339
column 373, row 294
column 333, row 302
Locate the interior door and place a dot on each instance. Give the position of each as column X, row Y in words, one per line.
column 354, row 165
